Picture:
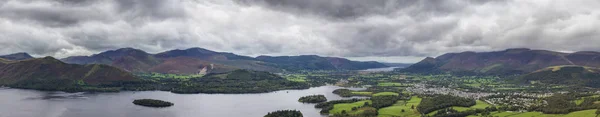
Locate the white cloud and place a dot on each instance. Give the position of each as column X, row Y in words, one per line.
column 354, row 28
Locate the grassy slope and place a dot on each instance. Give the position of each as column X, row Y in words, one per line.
column 396, row 109
column 338, row 108
column 584, row 113
column 478, row 105
column 385, row 93
column 362, row 93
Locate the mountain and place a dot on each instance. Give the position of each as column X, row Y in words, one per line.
column 220, row 58
column 4, row 61
column 314, row 62
column 510, row 61
column 199, row 60
column 17, row 56
column 51, row 74
column 400, row 65
column 565, row 75
column 129, row 59
column 188, row 65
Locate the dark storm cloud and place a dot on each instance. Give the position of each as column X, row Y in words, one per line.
column 361, row 29
column 351, row 9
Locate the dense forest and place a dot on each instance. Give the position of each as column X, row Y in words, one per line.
column 285, row 113
column 152, row 103
column 238, row 81
column 326, row 106
column 563, row 103
column 313, row 99
column 435, row 102
column 384, row 100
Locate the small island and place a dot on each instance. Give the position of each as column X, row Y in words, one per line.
column 285, row 113
column 152, row 103
column 312, row 99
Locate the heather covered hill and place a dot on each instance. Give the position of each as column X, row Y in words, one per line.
column 188, row 65
column 17, row 56
column 314, row 62
column 202, row 53
column 565, row 75
column 129, row 59
column 51, row 74
column 221, row 59
column 4, row 61
column 510, row 61
column 199, row 60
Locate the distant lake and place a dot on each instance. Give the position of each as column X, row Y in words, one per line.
column 32, row 103
column 381, row 69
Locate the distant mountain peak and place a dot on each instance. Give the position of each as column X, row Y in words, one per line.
column 124, row 50
column 17, row 56
column 518, row 49
column 199, row 49
column 505, row 62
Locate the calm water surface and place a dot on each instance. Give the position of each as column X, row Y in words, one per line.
column 31, row 103
column 385, row 69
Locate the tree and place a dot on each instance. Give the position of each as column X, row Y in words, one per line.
column 412, row 107
column 597, row 112
column 403, row 110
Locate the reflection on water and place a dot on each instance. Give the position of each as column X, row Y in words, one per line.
column 31, row 103
column 58, row 96
column 385, row 69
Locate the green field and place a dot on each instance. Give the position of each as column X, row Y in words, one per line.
column 385, row 93
column 584, row 113
column 478, row 105
column 362, row 93
column 392, row 84
column 396, row 109
column 296, row 78
column 338, row 108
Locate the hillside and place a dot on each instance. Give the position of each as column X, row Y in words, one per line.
column 51, row 74
column 239, row 81
column 4, row 61
column 199, row 60
column 510, row 61
column 17, row 56
column 220, row 59
column 566, row 75
column 188, row 65
column 129, row 59
column 314, row 62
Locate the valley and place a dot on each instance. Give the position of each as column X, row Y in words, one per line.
column 428, row 88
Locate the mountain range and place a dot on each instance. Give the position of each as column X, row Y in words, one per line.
column 199, row 60
column 16, row 56
column 506, row 62
column 564, row 75
column 51, row 74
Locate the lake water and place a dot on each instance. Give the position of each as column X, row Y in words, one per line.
column 31, row 103
column 385, row 69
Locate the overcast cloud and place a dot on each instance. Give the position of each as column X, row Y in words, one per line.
column 386, row 30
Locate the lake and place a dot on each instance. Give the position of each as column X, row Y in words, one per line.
column 385, row 69
column 32, row 103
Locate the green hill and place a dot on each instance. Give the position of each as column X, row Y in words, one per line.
column 239, row 81
column 17, row 56
column 506, row 62
column 51, row 74
column 567, row 75
column 314, row 62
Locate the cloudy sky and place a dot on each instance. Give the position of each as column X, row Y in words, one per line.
column 384, row 30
